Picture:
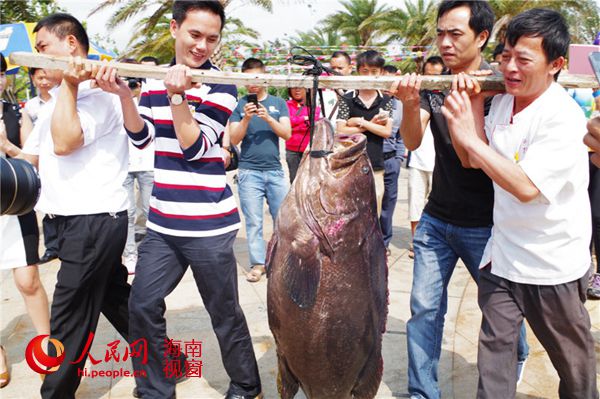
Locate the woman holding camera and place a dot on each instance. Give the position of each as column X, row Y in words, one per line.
column 20, row 234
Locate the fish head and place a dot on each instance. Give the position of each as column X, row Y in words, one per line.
column 340, row 165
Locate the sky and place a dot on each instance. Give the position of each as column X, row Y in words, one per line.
column 288, row 17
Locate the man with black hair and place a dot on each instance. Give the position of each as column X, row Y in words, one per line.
column 43, row 84
column 81, row 148
column 457, row 220
column 536, row 263
column 149, row 60
column 193, row 218
column 259, row 126
column 369, row 112
column 393, row 154
column 341, row 63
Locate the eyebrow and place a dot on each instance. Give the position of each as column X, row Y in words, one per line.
column 196, row 31
column 453, row 30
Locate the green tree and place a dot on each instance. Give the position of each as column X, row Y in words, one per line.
column 13, row 11
column 412, row 26
column 319, row 37
column 349, row 21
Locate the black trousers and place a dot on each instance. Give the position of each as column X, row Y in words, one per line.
column 50, row 234
column 162, row 262
column 293, row 159
column 558, row 319
column 91, row 280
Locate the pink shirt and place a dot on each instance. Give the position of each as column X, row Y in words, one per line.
column 300, row 131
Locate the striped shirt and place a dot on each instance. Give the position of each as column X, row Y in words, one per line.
column 190, row 196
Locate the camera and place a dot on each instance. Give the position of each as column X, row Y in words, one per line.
column 133, row 82
column 19, row 186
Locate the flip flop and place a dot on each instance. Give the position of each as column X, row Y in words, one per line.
column 255, row 274
column 4, row 377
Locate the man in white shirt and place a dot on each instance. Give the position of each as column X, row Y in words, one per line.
column 81, row 148
column 42, row 82
column 536, row 263
column 341, row 63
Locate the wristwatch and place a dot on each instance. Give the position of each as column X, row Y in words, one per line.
column 177, row 98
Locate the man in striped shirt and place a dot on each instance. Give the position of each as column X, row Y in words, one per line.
column 193, row 217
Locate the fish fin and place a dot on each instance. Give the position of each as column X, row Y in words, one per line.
column 370, row 377
column 287, row 383
column 270, row 253
column 301, row 277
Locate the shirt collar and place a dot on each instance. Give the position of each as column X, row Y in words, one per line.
column 206, row 65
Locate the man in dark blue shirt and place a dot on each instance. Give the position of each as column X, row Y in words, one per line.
column 258, row 126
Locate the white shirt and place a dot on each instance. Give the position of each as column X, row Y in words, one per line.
column 545, row 241
column 141, row 160
column 33, row 106
column 423, row 158
column 89, row 180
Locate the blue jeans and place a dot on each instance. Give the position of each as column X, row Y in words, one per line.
column 254, row 186
column 438, row 246
column 390, row 197
column 145, row 181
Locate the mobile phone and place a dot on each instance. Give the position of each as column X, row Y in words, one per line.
column 595, row 61
column 252, row 98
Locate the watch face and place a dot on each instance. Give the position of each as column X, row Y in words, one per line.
column 176, row 99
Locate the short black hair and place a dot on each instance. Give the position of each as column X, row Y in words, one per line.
column 390, row 68
column 149, row 58
column 547, row 24
column 252, row 63
column 498, row 50
column 3, row 65
column 482, row 16
column 62, row 25
column 181, row 8
column 434, row 60
column 33, row 70
column 370, row 58
column 338, row 54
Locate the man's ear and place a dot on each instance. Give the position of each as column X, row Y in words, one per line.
column 481, row 39
column 557, row 65
column 173, row 28
column 72, row 43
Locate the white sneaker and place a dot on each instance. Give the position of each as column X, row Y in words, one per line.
column 130, row 262
column 520, row 370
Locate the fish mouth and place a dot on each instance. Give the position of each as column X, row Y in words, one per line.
column 347, row 149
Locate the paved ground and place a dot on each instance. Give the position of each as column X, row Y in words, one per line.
column 187, row 320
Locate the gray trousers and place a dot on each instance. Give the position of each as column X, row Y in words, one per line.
column 558, row 319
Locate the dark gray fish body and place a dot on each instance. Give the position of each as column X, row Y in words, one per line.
column 327, row 286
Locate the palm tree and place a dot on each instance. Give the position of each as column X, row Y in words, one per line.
column 152, row 34
column 582, row 16
column 413, row 26
column 349, row 22
column 318, row 41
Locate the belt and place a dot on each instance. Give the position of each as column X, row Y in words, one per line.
column 388, row 155
column 111, row 214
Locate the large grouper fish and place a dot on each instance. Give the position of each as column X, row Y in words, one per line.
column 327, row 292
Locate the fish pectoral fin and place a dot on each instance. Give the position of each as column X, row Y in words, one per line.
column 301, row 276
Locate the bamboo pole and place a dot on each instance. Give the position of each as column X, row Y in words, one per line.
column 294, row 80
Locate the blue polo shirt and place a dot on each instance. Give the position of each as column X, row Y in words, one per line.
column 260, row 146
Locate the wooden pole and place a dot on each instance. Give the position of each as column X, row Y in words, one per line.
column 295, row 80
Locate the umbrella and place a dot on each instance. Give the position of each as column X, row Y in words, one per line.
column 16, row 37
column 20, row 37
column 98, row 53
